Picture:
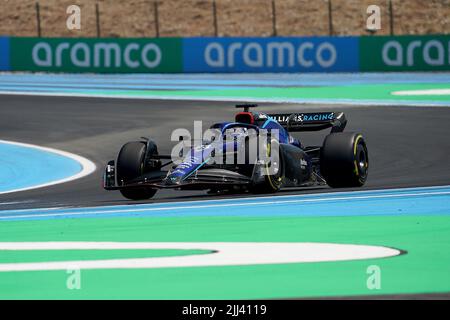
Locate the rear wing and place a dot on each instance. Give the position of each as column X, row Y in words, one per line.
column 295, row 122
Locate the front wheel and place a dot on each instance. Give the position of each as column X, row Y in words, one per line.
column 130, row 165
column 344, row 160
column 273, row 170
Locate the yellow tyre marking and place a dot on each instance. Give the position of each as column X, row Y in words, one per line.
column 358, row 137
column 354, row 153
column 274, row 187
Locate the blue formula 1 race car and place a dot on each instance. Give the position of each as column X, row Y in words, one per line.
column 255, row 153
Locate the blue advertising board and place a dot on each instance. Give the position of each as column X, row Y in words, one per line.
column 278, row 54
column 4, row 54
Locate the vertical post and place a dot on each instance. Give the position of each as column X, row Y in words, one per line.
column 97, row 19
column 391, row 18
column 38, row 19
column 330, row 18
column 216, row 27
column 274, row 19
column 156, row 17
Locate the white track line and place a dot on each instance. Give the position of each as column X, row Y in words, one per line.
column 209, row 206
column 427, row 92
column 224, row 254
column 87, row 166
column 251, row 198
column 304, row 195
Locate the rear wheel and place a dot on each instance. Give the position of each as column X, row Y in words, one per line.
column 130, row 165
column 344, row 160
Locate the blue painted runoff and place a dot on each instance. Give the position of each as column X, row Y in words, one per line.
column 25, row 167
column 399, row 202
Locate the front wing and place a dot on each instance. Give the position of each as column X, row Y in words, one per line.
column 200, row 180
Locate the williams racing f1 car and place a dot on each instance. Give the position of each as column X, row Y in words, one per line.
column 342, row 160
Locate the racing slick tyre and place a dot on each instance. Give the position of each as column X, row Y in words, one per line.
column 273, row 178
column 130, row 165
column 344, row 160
